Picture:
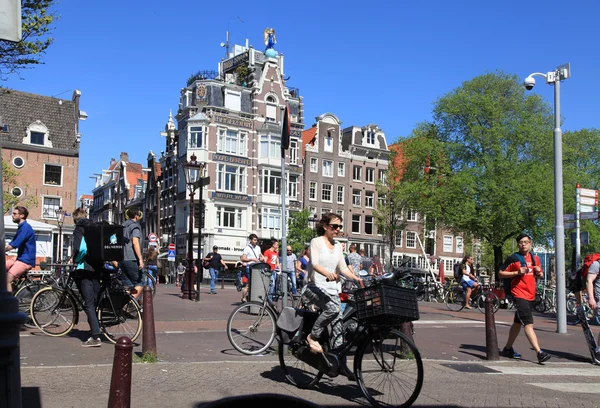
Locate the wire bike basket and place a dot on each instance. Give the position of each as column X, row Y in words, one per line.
column 382, row 304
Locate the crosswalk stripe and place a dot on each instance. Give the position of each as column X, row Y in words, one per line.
column 585, row 388
column 589, row 371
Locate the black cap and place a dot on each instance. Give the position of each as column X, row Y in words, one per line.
column 215, row 247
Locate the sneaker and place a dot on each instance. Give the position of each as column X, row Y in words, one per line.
column 510, row 353
column 92, row 342
column 213, row 292
column 543, row 356
column 596, row 359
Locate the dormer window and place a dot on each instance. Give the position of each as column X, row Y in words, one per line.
column 371, row 137
column 37, row 134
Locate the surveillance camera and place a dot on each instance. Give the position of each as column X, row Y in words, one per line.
column 529, row 83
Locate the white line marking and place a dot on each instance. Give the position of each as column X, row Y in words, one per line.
column 458, row 321
column 585, row 388
column 548, row 371
column 173, row 331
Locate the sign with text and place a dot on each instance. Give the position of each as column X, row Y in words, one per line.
column 233, row 121
column 588, row 208
column 232, row 63
column 569, row 225
column 569, row 217
column 592, row 215
column 588, row 201
column 171, row 255
column 230, row 159
column 586, row 192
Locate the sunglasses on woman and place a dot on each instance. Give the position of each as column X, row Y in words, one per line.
column 335, row 226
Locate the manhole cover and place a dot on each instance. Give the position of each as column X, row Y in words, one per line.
column 471, row 368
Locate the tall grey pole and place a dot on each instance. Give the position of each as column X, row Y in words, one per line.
column 284, row 271
column 559, row 229
column 10, row 326
column 577, row 228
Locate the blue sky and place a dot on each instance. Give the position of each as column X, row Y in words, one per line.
column 383, row 62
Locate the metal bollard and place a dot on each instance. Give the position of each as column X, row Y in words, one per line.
column 120, row 381
column 148, row 332
column 491, row 340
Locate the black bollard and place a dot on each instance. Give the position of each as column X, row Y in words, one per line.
column 120, row 381
column 491, row 340
column 148, row 331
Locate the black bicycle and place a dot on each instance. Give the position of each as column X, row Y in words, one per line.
column 55, row 309
column 387, row 364
column 26, row 287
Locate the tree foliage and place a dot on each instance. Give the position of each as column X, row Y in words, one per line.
column 9, row 180
column 37, row 22
column 490, row 156
column 299, row 232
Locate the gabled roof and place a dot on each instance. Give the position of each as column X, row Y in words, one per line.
column 19, row 110
column 307, row 136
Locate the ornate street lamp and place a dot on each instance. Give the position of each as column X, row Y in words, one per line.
column 192, row 171
column 60, row 218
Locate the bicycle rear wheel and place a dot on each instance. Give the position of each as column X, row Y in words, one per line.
column 389, row 369
column 296, row 371
column 53, row 311
column 455, row 300
column 119, row 315
column 24, row 295
column 251, row 328
column 493, row 298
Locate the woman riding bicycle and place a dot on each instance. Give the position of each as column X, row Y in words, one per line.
column 326, row 261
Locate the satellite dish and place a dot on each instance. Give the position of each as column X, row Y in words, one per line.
column 223, row 44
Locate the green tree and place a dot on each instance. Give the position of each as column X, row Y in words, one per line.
column 9, row 181
column 491, row 147
column 299, row 233
column 37, row 22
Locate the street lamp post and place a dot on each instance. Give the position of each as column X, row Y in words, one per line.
column 60, row 218
column 192, row 175
column 561, row 73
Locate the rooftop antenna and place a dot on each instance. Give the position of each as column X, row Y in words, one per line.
column 226, row 45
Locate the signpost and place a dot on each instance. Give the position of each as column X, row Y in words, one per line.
column 152, row 237
column 586, row 209
column 171, row 254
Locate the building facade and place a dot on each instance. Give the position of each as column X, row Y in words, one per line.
column 40, row 142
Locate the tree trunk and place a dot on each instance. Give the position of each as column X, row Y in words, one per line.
column 497, row 262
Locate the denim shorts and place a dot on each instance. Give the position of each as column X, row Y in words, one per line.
column 131, row 274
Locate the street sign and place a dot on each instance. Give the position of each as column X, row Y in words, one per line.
column 569, row 217
column 152, row 237
column 171, row 255
column 569, row 225
column 171, row 247
column 586, row 192
column 587, row 208
column 592, row 215
column 588, row 201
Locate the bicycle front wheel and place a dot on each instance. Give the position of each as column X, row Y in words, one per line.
column 296, row 371
column 53, row 311
column 24, row 295
column 389, row 369
column 455, row 300
column 251, row 328
column 493, row 298
column 119, row 315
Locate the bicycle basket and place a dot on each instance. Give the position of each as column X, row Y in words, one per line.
column 384, row 304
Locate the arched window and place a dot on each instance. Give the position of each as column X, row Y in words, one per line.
column 271, row 109
column 37, row 134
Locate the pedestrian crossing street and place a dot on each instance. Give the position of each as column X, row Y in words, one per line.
column 550, row 372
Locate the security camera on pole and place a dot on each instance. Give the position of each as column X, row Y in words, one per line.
column 561, row 73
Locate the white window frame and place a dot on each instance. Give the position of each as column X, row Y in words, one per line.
column 270, row 109
column 369, row 199
column 459, row 245
column 326, row 189
column 292, row 186
column 327, row 168
column 411, row 215
column 398, row 238
column 293, row 152
column 62, row 175
column 314, row 165
column 369, row 219
column 340, row 194
column 382, row 175
column 328, row 143
column 341, row 169
column 233, row 100
column 265, row 181
column 357, row 173
column 356, row 198
column 270, row 146
column 193, row 133
column 227, row 213
column 228, row 174
column 370, row 175
column 370, row 137
column 448, row 241
column 52, row 209
column 312, row 190
column 356, row 222
column 37, row 127
column 411, row 239
column 269, row 218
column 232, row 141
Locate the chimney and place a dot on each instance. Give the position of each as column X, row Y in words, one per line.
column 124, row 157
column 112, row 162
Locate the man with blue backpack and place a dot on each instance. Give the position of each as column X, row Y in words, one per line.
column 87, row 276
column 521, row 269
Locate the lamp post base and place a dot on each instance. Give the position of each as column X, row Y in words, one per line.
column 188, row 291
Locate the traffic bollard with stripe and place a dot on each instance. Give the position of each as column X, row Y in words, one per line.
column 491, row 340
column 148, row 332
column 120, row 381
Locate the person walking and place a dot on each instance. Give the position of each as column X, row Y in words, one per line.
column 250, row 256
column 180, row 273
column 215, row 261
column 302, row 267
column 291, row 268
column 272, row 258
column 354, row 259
column 151, row 263
column 87, row 275
column 133, row 263
column 24, row 242
column 522, row 268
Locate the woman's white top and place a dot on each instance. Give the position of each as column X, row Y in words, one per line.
column 331, row 260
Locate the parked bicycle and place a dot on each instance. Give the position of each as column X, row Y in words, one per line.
column 251, row 325
column 55, row 309
column 25, row 288
column 387, row 364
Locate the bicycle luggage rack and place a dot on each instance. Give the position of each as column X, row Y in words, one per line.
column 379, row 303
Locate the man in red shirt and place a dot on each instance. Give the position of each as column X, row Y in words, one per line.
column 522, row 268
column 272, row 258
